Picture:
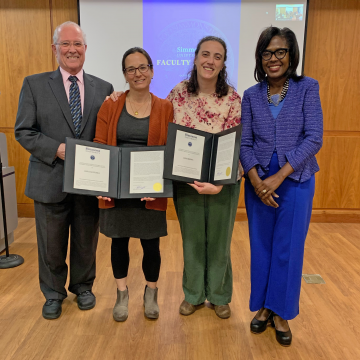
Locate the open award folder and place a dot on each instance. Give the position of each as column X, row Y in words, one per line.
column 192, row 154
column 115, row 172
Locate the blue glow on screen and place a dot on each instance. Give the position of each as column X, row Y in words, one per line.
column 172, row 29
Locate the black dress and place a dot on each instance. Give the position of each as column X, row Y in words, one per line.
column 129, row 217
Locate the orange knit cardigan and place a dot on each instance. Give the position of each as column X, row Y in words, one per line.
column 107, row 119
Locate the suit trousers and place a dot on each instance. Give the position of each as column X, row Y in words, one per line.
column 79, row 215
column 277, row 240
column 206, row 223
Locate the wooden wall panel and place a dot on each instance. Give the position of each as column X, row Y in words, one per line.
column 332, row 57
column 26, row 29
column 61, row 11
column 64, row 10
column 24, row 48
column 338, row 184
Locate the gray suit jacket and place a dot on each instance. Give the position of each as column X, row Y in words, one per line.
column 44, row 121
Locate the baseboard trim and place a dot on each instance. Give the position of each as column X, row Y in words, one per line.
column 26, row 210
column 318, row 215
column 335, row 216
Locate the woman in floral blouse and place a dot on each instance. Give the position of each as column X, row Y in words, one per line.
column 207, row 212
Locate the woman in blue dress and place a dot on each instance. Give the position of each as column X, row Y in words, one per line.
column 282, row 131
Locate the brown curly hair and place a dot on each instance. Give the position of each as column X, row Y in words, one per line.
column 222, row 84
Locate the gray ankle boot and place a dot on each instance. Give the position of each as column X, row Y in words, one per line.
column 120, row 311
column 150, row 303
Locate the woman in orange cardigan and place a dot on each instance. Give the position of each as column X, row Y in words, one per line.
column 139, row 118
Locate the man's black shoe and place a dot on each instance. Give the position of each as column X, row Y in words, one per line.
column 52, row 309
column 86, row 300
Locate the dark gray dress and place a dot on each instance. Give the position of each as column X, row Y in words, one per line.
column 129, row 217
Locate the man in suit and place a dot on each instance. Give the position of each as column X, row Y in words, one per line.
column 53, row 106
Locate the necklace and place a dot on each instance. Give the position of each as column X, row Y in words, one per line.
column 276, row 98
column 136, row 112
column 147, row 105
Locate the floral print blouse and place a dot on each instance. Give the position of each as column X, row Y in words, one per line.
column 206, row 112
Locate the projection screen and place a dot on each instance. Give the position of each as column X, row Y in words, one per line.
column 169, row 31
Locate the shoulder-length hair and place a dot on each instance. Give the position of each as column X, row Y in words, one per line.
column 292, row 44
column 222, row 84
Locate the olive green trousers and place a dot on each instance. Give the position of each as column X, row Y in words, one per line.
column 206, row 223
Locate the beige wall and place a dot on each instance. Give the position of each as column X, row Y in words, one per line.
column 332, row 57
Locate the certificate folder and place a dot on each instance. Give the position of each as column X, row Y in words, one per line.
column 136, row 174
column 193, row 154
column 89, row 153
column 115, row 172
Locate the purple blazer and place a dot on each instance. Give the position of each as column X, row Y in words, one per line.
column 296, row 134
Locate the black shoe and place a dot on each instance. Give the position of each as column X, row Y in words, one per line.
column 283, row 337
column 52, row 309
column 259, row 326
column 86, row 300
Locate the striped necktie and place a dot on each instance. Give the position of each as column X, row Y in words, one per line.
column 75, row 104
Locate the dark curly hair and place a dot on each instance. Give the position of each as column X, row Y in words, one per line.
column 292, row 44
column 222, row 84
column 133, row 51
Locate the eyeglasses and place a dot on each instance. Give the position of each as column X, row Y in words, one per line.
column 279, row 54
column 67, row 44
column 142, row 69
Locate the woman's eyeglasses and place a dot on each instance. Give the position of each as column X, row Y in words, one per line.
column 279, row 54
column 132, row 70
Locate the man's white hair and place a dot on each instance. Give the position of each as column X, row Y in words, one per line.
column 67, row 23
